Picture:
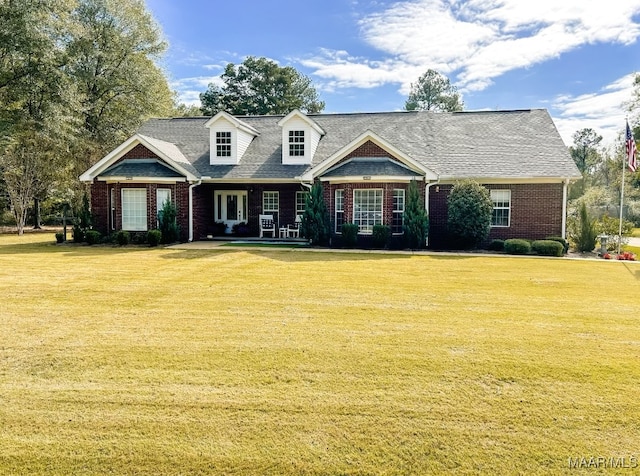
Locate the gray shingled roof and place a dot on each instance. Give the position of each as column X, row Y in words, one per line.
column 493, row 144
column 377, row 166
column 140, row 168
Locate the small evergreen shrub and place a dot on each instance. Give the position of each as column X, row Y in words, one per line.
column 548, row 247
column 59, row 238
column 167, row 219
column 496, row 245
column 138, row 238
column 123, row 238
column 559, row 239
column 349, row 235
column 78, row 234
column 316, row 223
column 381, row 236
column 416, row 221
column 93, row 237
column 469, row 214
column 582, row 231
column 516, row 246
column 154, row 237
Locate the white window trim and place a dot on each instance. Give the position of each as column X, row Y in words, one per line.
column 229, row 144
column 501, row 190
column 292, row 141
column 127, row 226
column 274, row 210
column 160, row 206
column 335, row 214
column 359, row 190
column 404, row 205
column 304, row 202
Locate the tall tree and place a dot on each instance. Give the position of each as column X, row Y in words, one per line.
column 433, row 92
column 259, row 86
column 113, row 63
column 585, row 151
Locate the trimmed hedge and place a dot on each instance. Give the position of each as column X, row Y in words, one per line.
column 516, row 246
column 93, row 237
column 154, row 237
column 559, row 239
column 496, row 245
column 349, row 235
column 123, row 238
column 548, row 248
column 381, row 236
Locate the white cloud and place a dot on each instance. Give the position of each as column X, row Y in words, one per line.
column 473, row 41
column 189, row 89
column 604, row 111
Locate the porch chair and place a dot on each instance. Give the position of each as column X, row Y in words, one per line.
column 267, row 225
column 294, row 230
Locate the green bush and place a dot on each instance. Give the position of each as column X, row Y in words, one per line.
column 316, row 224
column 609, row 226
column 123, row 238
column 582, row 231
column 349, row 235
column 496, row 245
column 515, row 246
column 416, row 221
column 548, row 247
column 559, row 239
column 381, row 236
column 59, row 238
column 154, row 237
column 469, row 214
column 93, row 237
column 78, row 234
column 167, row 219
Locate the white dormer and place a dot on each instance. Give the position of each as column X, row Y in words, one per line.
column 229, row 138
column 300, row 137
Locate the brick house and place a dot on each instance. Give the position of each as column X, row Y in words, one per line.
column 227, row 170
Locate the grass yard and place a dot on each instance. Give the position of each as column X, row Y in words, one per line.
column 231, row 361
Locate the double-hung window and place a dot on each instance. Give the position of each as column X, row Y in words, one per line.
column 367, row 209
column 301, row 202
column 397, row 218
column 270, row 202
column 223, row 144
column 163, row 195
column 501, row 215
column 296, row 143
column 339, row 210
column 134, row 209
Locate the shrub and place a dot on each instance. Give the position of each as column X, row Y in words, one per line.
column 138, row 238
column 469, row 215
column 93, row 237
column 239, row 229
column 123, row 238
column 168, row 224
column 316, row 224
column 416, row 221
column 154, row 237
column 381, row 236
column 59, row 237
column 516, row 246
column 559, row 239
column 78, row 234
column 582, row 231
column 496, row 245
column 349, row 235
column 548, row 247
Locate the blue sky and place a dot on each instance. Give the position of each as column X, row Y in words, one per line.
column 575, row 58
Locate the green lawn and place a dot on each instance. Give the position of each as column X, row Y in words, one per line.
column 231, row 361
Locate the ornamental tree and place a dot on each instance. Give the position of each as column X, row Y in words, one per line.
column 469, row 214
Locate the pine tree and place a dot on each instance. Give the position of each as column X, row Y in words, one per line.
column 316, row 226
column 416, row 221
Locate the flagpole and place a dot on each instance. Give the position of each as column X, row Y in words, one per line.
column 624, row 166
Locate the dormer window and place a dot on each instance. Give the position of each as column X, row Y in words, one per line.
column 296, row 143
column 223, row 144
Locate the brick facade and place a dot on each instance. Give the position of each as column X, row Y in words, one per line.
column 536, row 212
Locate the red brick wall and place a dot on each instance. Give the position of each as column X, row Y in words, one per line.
column 536, row 212
column 387, row 198
column 101, row 206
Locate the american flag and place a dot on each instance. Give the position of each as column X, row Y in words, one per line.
column 632, row 152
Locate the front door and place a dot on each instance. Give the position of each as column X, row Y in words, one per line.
column 231, row 207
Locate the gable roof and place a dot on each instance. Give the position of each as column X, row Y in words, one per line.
column 492, row 145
